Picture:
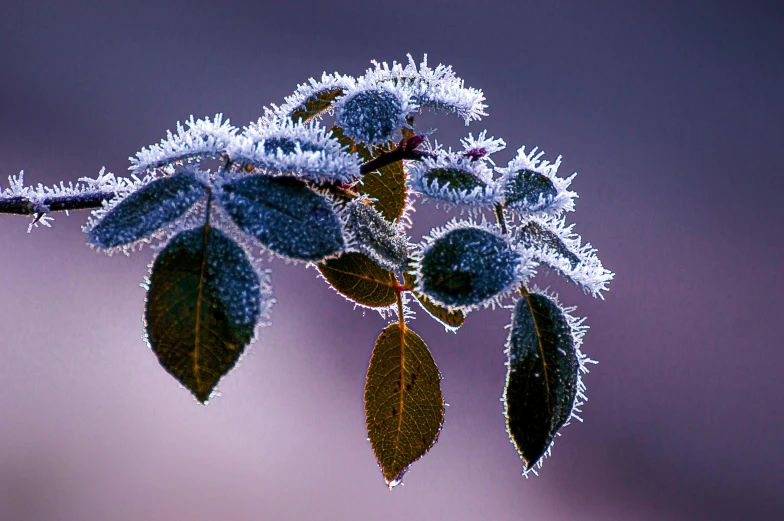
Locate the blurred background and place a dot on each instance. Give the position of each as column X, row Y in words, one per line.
column 671, row 112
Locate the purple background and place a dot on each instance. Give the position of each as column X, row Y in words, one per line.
column 673, row 116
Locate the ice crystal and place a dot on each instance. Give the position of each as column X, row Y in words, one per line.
column 375, row 236
column 198, row 139
column 554, row 244
column 532, row 187
column 303, row 149
column 437, row 88
column 373, row 112
column 465, row 265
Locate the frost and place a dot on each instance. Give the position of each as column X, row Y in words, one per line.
column 39, row 200
column 306, row 150
column 465, row 265
column 553, row 243
column 437, row 88
column 376, row 237
column 201, row 139
column 138, row 215
column 373, row 112
column 532, row 187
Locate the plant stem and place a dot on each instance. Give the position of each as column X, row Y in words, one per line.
column 19, row 205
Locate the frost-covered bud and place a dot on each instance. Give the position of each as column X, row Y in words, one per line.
column 467, row 265
column 531, row 186
column 376, row 237
column 455, row 178
column 305, row 150
column 373, row 113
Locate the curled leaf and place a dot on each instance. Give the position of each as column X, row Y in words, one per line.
column 203, row 303
column 284, row 215
column 404, row 408
column 542, row 376
column 358, row 278
column 143, row 212
column 375, row 236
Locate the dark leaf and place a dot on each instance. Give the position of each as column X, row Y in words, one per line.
column 284, row 215
column 358, row 278
column 147, row 210
column 404, row 408
column 467, row 267
column 451, row 320
column 316, row 104
column 541, row 382
column 202, row 306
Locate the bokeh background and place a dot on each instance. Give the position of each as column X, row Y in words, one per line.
column 671, row 112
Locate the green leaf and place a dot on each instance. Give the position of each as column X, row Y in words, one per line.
column 458, row 180
column 202, row 306
column 451, row 320
column 358, row 278
column 541, row 382
column 386, row 185
column 315, row 105
column 155, row 205
column 285, row 215
column 404, row 408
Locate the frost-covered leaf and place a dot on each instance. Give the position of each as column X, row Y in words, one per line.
column 373, row 113
column 201, row 139
column 202, row 307
column 531, row 186
column 542, row 380
column 143, row 212
column 312, row 98
column 314, row 105
column 455, row 178
column 438, row 88
column 451, row 320
column 554, row 244
column 404, row 408
column 467, row 266
column 358, row 278
column 284, row 215
column 287, row 147
column 375, row 236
